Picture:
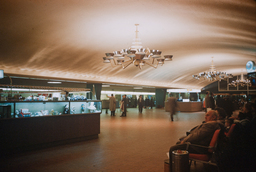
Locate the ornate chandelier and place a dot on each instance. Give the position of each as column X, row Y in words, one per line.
column 240, row 82
column 212, row 75
column 137, row 55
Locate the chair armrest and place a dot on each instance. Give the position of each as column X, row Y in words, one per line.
column 200, row 146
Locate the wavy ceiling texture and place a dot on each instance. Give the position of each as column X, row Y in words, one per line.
column 67, row 38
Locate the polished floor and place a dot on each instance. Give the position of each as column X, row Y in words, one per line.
column 136, row 143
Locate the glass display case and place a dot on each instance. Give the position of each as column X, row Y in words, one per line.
column 34, row 109
column 85, row 107
column 48, row 108
column 35, row 124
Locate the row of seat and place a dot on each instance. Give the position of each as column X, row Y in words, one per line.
column 206, row 158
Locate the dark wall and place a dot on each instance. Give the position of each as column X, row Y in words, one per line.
column 160, row 97
column 193, row 97
column 212, row 87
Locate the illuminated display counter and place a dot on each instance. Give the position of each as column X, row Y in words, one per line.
column 46, row 124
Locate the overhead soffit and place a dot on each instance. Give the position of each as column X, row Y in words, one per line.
column 67, row 39
column 65, row 85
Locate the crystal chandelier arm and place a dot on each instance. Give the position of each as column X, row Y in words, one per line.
column 110, row 61
column 148, row 52
column 150, row 64
column 113, row 65
column 153, row 61
column 114, row 61
column 140, row 66
column 125, row 66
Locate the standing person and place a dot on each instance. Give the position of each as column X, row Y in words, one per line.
column 207, row 100
column 124, row 105
column 112, row 105
column 146, row 102
column 228, row 106
column 140, row 103
column 66, row 96
column 151, row 102
column 172, row 102
column 212, row 101
column 219, row 101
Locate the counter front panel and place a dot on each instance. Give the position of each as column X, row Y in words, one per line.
column 186, row 106
column 43, row 124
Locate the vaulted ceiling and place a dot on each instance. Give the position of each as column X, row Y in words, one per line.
column 67, row 39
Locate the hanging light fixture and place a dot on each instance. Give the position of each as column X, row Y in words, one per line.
column 240, row 82
column 137, row 55
column 212, row 75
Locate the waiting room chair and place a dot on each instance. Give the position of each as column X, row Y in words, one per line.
column 230, row 130
column 206, row 158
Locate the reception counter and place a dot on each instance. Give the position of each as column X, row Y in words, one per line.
column 186, row 106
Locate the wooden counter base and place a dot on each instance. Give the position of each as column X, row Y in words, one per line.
column 20, row 134
column 186, row 106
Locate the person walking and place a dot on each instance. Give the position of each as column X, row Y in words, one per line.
column 172, row 103
column 123, row 106
column 140, row 104
column 112, row 105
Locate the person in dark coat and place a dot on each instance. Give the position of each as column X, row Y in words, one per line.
column 212, row 101
column 151, row 102
column 219, row 101
column 140, row 104
column 228, row 106
column 146, row 102
column 207, row 101
column 124, row 106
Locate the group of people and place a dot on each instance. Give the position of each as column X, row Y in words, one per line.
column 235, row 152
column 145, row 103
column 112, row 105
column 123, row 104
column 228, row 103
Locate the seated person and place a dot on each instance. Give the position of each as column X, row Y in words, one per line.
column 201, row 135
column 228, row 123
column 221, row 115
column 246, row 113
